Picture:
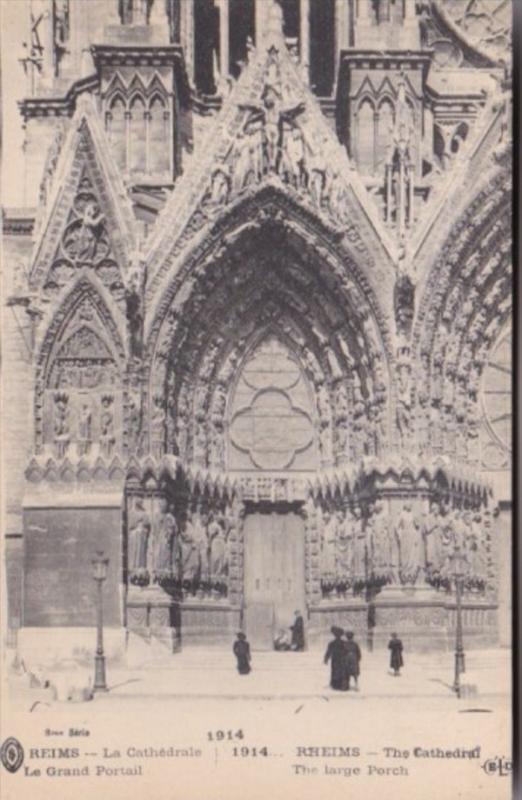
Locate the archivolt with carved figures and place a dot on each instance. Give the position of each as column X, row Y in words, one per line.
column 463, row 312
column 265, row 285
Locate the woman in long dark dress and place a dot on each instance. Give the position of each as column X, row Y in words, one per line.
column 395, row 648
column 336, row 655
column 242, row 653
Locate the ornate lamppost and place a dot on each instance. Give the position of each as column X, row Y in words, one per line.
column 100, row 564
column 370, row 598
column 459, row 564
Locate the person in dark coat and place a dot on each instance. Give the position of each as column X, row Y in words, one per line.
column 395, row 648
column 242, row 653
column 353, row 658
column 336, row 655
column 297, row 629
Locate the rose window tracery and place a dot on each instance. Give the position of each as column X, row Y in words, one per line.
column 270, row 422
column 497, row 403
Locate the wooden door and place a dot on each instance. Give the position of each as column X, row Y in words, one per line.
column 274, row 574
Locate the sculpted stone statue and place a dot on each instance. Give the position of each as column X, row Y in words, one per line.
column 84, row 240
column 139, row 533
column 61, row 423
column 293, row 165
column 217, row 543
column 434, row 543
column 328, row 545
column 476, row 549
column 358, row 534
column 383, row 545
column 85, row 429
column 272, row 117
column 187, row 551
column 85, row 423
column 344, row 546
column 165, row 529
column 107, row 438
column 411, row 546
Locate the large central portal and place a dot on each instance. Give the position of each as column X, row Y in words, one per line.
column 274, row 573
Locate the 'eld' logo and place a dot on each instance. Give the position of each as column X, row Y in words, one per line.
column 497, row 766
column 12, row 754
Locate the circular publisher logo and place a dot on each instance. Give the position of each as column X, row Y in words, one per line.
column 12, row 754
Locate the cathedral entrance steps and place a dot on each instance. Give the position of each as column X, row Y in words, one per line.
column 210, row 673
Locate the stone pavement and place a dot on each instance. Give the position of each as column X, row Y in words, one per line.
column 200, row 673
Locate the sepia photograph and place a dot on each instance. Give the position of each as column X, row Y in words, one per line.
column 256, row 389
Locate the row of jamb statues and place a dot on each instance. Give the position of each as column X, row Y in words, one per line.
column 361, row 551
column 189, row 553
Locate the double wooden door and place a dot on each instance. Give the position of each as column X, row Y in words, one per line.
column 274, row 574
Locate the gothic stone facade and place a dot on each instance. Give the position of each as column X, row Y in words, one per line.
column 258, row 320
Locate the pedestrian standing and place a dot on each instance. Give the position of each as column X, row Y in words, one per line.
column 298, row 642
column 336, row 655
column 353, row 659
column 395, row 648
column 242, row 653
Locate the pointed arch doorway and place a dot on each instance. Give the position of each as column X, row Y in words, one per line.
column 271, row 430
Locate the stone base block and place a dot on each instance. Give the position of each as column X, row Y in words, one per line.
column 56, row 647
column 178, row 625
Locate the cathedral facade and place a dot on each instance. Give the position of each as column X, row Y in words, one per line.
column 258, row 321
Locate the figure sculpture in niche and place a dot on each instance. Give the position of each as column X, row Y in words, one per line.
column 328, row 546
column 217, row 547
column 477, row 552
column 61, row 423
column 220, row 186
column 383, row 544
column 293, row 165
column 85, row 429
column 359, row 544
column 158, row 427
column 404, row 403
column 139, row 534
column 187, row 552
column 344, row 548
column 84, row 240
column 164, row 532
column 408, row 532
column 107, row 438
column 433, row 533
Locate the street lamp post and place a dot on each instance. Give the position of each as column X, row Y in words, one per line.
column 459, row 564
column 100, row 564
column 370, row 600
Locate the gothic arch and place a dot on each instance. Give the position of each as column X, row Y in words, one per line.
column 318, row 304
column 342, row 249
column 83, row 314
column 465, row 302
